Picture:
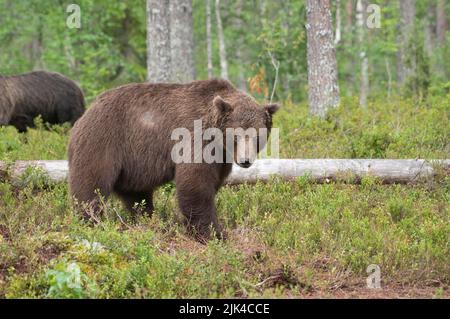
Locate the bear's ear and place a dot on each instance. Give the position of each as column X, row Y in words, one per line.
column 221, row 105
column 272, row 108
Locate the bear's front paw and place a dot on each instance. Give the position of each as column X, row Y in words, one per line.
column 205, row 234
column 222, row 235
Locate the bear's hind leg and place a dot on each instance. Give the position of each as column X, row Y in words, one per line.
column 137, row 202
column 90, row 194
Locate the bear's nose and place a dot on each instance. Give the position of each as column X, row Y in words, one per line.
column 245, row 163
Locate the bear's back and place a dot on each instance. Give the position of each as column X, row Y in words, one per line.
column 132, row 116
column 174, row 104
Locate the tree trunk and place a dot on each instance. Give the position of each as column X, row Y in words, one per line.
column 337, row 37
column 364, row 89
column 349, row 43
column 388, row 72
column 429, row 29
column 405, row 60
column 349, row 16
column 242, row 84
column 181, row 41
column 322, row 67
column 222, row 49
column 34, row 49
column 209, row 39
column 441, row 21
column 158, row 41
column 317, row 170
column 364, row 82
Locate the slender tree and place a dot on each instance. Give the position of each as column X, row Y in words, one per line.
column 364, row 82
column 322, row 66
column 349, row 16
column 209, row 39
column 222, row 49
column 181, row 41
column 337, row 37
column 158, row 41
column 238, row 24
column 429, row 28
column 405, row 60
column 348, row 39
column 441, row 21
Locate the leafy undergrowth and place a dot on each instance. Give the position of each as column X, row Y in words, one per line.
column 287, row 239
column 394, row 128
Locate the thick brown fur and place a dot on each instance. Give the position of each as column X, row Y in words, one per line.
column 122, row 145
column 54, row 97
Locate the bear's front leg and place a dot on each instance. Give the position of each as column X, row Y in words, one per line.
column 196, row 190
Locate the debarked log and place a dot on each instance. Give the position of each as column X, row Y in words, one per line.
column 316, row 170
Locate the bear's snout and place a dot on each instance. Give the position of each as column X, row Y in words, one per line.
column 244, row 163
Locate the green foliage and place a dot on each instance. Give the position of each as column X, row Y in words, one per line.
column 35, row 178
column 110, row 47
column 396, row 128
column 108, row 50
column 67, row 281
column 371, row 145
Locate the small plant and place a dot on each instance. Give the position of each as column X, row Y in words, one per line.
column 68, row 281
column 34, row 177
column 371, row 144
column 398, row 209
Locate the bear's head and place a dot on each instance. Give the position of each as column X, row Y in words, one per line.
column 249, row 122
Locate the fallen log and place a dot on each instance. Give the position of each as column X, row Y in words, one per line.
column 323, row 170
column 317, row 170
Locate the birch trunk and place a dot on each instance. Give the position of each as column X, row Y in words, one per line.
column 441, row 21
column 317, row 170
column 429, row 28
column 209, row 39
column 405, row 63
column 181, row 41
column 222, row 48
column 348, row 39
column 322, row 67
column 337, row 37
column 364, row 81
column 242, row 84
column 349, row 16
column 158, row 41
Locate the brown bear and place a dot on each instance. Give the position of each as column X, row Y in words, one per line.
column 54, row 97
column 123, row 144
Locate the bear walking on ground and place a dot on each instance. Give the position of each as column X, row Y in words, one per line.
column 123, row 145
column 54, row 97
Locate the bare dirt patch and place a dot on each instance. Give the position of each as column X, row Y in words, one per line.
column 388, row 292
column 48, row 252
column 4, row 232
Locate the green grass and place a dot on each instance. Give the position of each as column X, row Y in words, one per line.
column 287, row 239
